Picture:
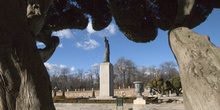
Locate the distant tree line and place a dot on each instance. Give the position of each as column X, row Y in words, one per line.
column 125, row 73
column 64, row 80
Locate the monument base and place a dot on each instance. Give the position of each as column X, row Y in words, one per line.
column 106, row 80
column 139, row 101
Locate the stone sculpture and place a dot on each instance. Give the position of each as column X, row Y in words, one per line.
column 199, row 69
column 185, row 10
column 107, row 51
column 139, row 88
column 36, row 14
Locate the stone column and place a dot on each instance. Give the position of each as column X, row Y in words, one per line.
column 106, row 81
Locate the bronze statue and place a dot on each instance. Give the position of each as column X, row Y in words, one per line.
column 107, row 52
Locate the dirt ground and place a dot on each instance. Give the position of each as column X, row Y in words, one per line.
column 165, row 103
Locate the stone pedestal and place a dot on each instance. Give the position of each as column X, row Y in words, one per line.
column 139, row 101
column 106, row 81
column 139, row 88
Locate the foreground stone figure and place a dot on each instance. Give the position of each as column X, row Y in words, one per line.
column 185, row 11
column 199, row 69
column 36, row 14
column 24, row 80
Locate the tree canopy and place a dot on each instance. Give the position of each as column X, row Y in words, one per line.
column 140, row 20
column 74, row 14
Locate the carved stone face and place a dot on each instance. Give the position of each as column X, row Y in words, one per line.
column 35, row 18
column 33, row 10
column 36, row 13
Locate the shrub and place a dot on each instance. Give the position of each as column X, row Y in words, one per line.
column 156, row 83
column 176, row 83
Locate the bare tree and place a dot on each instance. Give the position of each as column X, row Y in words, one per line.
column 142, row 74
column 81, row 78
column 60, row 79
column 63, row 78
column 73, row 81
column 153, row 71
column 120, row 71
column 124, row 71
column 89, row 79
column 55, row 81
column 168, row 70
column 97, row 76
column 131, row 73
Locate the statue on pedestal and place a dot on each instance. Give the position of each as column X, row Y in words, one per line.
column 107, row 51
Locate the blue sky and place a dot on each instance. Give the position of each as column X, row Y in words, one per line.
column 80, row 49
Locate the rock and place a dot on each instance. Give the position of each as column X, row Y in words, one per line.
column 174, row 101
column 179, row 102
column 159, row 101
column 166, row 100
column 199, row 67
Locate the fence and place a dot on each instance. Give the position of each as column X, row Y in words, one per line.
column 128, row 92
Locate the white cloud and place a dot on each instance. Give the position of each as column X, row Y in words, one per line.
column 89, row 28
column 40, row 44
column 111, row 29
column 72, row 69
column 60, row 45
column 65, row 33
column 95, row 65
column 88, row 45
column 63, row 66
column 108, row 31
column 57, row 68
column 51, row 67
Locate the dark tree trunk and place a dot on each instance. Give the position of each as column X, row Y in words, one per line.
column 177, row 92
column 24, row 81
column 199, row 66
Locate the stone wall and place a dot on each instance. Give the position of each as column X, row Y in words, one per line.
column 117, row 92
